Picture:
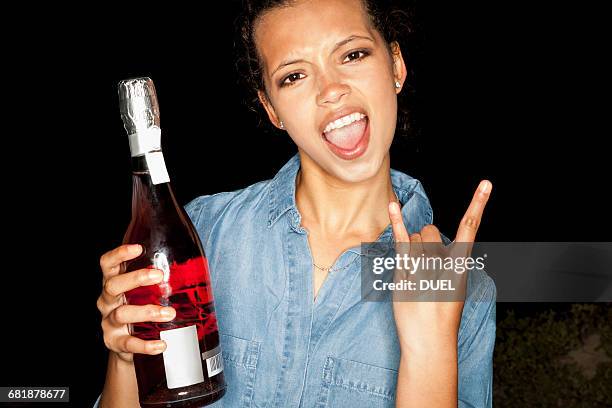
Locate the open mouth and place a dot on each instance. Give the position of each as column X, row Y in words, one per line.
column 348, row 136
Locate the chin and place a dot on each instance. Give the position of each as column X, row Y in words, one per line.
column 359, row 170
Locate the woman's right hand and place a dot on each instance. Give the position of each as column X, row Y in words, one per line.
column 116, row 315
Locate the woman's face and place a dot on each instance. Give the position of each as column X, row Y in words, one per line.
column 331, row 80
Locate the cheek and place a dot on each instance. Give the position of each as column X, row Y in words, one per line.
column 378, row 89
column 379, row 72
column 301, row 138
column 298, row 115
column 382, row 91
column 301, row 128
column 383, row 105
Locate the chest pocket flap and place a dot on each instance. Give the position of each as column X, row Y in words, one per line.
column 356, row 384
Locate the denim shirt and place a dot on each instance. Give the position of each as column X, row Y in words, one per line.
column 281, row 348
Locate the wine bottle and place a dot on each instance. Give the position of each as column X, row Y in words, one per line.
column 189, row 373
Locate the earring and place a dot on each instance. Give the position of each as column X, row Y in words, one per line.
column 282, row 125
column 397, row 84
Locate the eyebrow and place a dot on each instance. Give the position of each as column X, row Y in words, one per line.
column 338, row 45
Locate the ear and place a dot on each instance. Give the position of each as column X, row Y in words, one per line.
column 399, row 66
column 263, row 98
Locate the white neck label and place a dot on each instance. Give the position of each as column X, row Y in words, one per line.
column 157, row 167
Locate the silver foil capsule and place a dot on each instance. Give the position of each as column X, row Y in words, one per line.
column 140, row 114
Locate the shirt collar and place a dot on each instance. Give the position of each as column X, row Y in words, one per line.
column 282, row 190
column 282, row 198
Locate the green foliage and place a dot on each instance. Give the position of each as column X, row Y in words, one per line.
column 544, row 360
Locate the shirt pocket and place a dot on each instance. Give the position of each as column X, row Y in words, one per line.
column 239, row 367
column 353, row 384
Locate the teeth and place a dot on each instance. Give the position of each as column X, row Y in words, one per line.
column 343, row 121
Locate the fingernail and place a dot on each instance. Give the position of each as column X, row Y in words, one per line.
column 167, row 312
column 393, row 207
column 485, row 186
column 159, row 345
column 136, row 248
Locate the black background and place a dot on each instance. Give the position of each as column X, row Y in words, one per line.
column 512, row 92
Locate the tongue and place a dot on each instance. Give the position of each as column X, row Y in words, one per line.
column 348, row 136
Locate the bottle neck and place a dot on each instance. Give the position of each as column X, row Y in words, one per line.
column 150, row 196
column 140, row 164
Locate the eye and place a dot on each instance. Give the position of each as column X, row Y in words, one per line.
column 356, row 55
column 291, row 78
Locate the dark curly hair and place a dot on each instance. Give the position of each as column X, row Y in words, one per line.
column 395, row 23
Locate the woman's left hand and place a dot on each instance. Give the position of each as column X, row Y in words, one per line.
column 428, row 328
column 418, row 320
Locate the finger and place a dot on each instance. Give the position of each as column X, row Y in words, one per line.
column 136, row 314
column 430, row 233
column 416, row 238
column 131, row 344
column 397, row 223
column 111, row 261
column 416, row 245
column 119, row 284
column 431, row 240
column 471, row 220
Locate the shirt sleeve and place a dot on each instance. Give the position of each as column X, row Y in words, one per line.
column 205, row 211
column 97, row 403
column 476, row 342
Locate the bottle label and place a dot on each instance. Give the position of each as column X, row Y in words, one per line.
column 157, row 167
column 182, row 357
column 214, row 361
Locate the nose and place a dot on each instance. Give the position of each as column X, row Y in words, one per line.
column 331, row 91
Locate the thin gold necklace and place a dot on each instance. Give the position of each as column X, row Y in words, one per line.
column 322, row 268
column 329, row 268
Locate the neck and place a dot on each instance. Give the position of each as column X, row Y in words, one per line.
column 334, row 207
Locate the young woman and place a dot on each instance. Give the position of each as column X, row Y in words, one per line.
column 285, row 253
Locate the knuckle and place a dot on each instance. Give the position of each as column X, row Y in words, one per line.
column 120, row 314
column 107, row 328
column 110, row 287
column 100, row 304
column 122, row 250
column 126, row 344
column 395, row 217
column 154, row 311
column 132, row 345
column 111, row 270
column 107, row 341
column 471, row 222
column 143, row 276
column 429, row 228
column 117, row 315
column 103, row 260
